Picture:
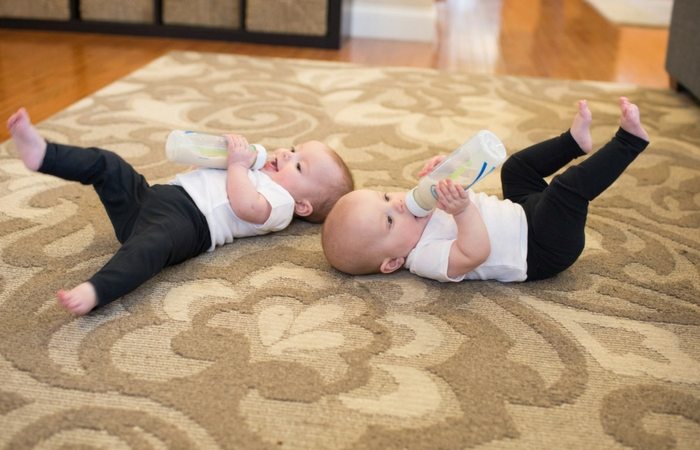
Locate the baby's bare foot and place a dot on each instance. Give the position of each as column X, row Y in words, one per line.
column 80, row 300
column 581, row 127
column 30, row 145
column 630, row 120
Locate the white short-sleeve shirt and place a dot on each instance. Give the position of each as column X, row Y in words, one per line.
column 507, row 228
column 207, row 187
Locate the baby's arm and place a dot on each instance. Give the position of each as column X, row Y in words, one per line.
column 246, row 202
column 472, row 246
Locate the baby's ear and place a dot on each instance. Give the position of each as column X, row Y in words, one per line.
column 390, row 265
column 303, row 208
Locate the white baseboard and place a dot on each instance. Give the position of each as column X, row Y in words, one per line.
column 406, row 23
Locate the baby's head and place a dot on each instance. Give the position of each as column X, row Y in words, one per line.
column 370, row 232
column 313, row 174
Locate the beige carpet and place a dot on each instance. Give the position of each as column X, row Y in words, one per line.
column 261, row 345
column 645, row 13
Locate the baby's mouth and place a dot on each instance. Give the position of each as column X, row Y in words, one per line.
column 272, row 165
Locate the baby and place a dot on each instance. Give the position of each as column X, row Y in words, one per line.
column 163, row 225
column 535, row 233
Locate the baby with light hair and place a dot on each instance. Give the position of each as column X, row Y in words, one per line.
column 535, row 232
column 162, row 225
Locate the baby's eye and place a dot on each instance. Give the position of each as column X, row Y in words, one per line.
column 293, row 150
column 389, row 220
column 386, row 197
column 299, row 167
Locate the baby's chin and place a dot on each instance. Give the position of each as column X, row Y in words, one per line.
column 424, row 218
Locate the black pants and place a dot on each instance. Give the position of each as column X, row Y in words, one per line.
column 556, row 213
column 157, row 225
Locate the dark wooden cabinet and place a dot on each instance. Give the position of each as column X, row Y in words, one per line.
column 308, row 23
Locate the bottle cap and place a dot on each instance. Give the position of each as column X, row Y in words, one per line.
column 492, row 147
column 171, row 145
column 261, row 157
column 413, row 207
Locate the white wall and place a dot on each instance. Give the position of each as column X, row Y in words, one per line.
column 408, row 20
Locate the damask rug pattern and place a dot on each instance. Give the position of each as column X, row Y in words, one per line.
column 261, row 344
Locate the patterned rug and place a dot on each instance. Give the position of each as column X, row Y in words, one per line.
column 262, row 345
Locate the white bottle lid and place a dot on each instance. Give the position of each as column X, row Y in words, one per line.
column 261, row 157
column 413, row 207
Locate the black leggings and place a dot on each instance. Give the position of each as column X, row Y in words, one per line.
column 157, row 225
column 556, row 213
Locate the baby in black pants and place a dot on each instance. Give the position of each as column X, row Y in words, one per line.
column 164, row 224
column 534, row 232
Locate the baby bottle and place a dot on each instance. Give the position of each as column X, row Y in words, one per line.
column 469, row 163
column 205, row 150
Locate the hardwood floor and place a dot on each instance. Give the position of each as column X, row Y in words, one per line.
column 563, row 39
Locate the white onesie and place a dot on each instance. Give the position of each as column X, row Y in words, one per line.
column 507, row 228
column 207, row 187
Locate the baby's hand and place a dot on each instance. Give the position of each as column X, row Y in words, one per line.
column 430, row 165
column 238, row 152
column 452, row 198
